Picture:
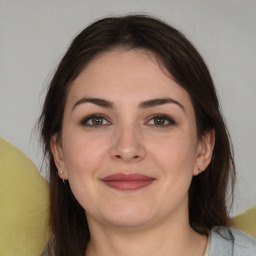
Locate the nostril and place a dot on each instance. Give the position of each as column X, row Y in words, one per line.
column 136, row 157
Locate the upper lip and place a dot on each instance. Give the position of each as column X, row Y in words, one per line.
column 127, row 177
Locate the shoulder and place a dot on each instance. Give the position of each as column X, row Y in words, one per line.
column 228, row 241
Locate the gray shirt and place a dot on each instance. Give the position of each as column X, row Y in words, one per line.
column 227, row 242
column 231, row 242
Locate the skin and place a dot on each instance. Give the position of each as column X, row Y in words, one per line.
column 127, row 138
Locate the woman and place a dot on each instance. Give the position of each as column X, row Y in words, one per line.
column 140, row 160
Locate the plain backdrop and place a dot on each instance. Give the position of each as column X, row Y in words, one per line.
column 34, row 35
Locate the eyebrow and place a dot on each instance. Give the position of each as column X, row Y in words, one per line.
column 99, row 102
column 158, row 102
column 145, row 104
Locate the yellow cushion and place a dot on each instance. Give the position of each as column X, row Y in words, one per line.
column 23, row 204
column 246, row 221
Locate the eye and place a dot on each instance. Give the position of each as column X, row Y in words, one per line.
column 95, row 120
column 161, row 121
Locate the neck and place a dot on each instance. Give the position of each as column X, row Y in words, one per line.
column 173, row 238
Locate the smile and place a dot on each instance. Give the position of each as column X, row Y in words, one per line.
column 127, row 182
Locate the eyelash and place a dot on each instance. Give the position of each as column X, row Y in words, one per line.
column 86, row 120
column 167, row 118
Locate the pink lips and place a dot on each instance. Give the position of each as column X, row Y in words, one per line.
column 126, row 182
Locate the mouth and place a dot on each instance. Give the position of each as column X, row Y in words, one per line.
column 127, row 182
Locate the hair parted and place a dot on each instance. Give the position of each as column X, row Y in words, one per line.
column 209, row 191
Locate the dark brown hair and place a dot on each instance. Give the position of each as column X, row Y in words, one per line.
column 208, row 191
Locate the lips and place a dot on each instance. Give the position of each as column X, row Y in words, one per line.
column 126, row 182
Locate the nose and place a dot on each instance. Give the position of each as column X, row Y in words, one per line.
column 128, row 145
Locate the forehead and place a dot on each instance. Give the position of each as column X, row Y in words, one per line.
column 128, row 75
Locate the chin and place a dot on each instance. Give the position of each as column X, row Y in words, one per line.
column 126, row 217
column 129, row 221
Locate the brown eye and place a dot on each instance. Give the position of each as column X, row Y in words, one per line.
column 161, row 121
column 95, row 121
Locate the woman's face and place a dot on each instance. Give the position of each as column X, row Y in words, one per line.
column 129, row 145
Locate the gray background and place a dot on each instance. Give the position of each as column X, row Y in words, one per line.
column 34, row 35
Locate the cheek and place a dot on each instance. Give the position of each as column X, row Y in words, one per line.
column 83, row 154
column 177, row 149
column 175, row 156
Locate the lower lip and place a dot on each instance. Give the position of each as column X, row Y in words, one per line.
column 124, row 185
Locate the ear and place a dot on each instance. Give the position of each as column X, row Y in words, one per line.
column 204, row 152
column 58, row 157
